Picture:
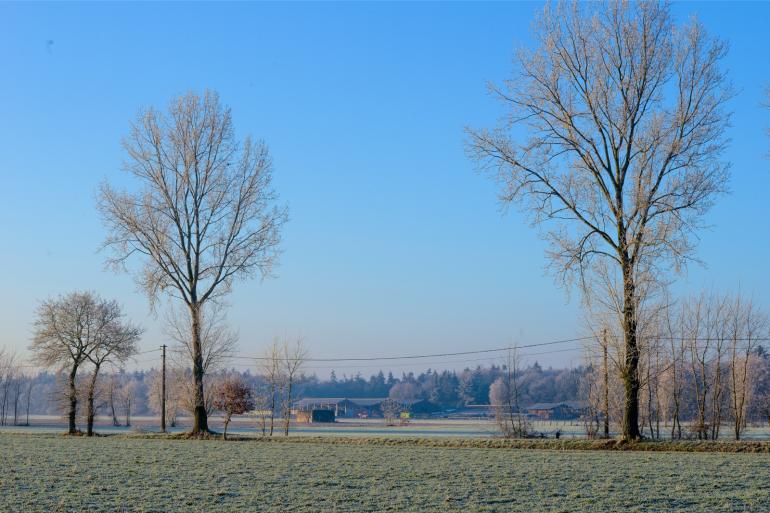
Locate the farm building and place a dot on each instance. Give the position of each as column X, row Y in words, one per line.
column 565, row 410
column 357, row 407
column 342, row 406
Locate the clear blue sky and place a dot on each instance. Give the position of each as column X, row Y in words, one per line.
column 395, row 244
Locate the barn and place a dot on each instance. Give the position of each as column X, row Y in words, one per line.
column 343, row 407
column 565, row 410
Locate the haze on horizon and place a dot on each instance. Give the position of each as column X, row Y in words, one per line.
column 395, row 245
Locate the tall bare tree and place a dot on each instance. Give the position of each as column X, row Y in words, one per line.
column 203, row 217
column 625, row 115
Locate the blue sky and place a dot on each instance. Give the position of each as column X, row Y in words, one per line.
column 395, row 244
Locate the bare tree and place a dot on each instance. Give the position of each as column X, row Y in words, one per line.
column 173, row 394
column 67, row 330
column 590, row 389
column 294, row 356
column 114, row 343
column 625, row 112
column 745, row 326
column 8, row 372
column 112, row 392
column 675, row 370
column 271, row 368
column 390, row 409
column 127, row 396
column 30, row 384
column 263, row 402
column 204, row 216
column 504, row 397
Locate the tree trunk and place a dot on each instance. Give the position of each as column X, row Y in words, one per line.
column 73, row 401
column 90, row 410
column 676, row 425
column 200, row 418
column 606, row 394
column 631, row 370
column 227, row 421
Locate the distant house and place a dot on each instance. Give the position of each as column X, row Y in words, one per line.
column 565, row 410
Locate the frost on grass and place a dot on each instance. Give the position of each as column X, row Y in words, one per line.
column 51, row 473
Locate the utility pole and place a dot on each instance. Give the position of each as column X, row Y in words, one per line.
column 606, row 387
column 163, row 391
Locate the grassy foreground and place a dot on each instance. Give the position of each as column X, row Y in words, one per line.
column 53, row 473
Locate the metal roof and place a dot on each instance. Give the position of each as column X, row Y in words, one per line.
column 550, row 406
column 360, row 401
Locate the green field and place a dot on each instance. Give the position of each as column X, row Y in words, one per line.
column 54, row 473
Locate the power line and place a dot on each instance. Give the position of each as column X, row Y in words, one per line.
column 698, row 339
column 421, row 356
column 491, row 359
column 450, row 354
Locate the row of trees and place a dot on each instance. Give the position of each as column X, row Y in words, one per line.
column 702, row 363
column 121, row 395
column 82, row 332
column 15, row 389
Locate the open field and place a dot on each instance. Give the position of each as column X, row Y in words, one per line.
column 432, row 428
column 55, row 473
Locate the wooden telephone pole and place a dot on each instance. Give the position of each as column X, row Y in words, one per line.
column 163, row 391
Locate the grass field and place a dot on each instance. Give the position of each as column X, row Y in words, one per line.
column 54, row 473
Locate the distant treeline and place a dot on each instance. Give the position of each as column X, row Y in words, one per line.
column 446, row 389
